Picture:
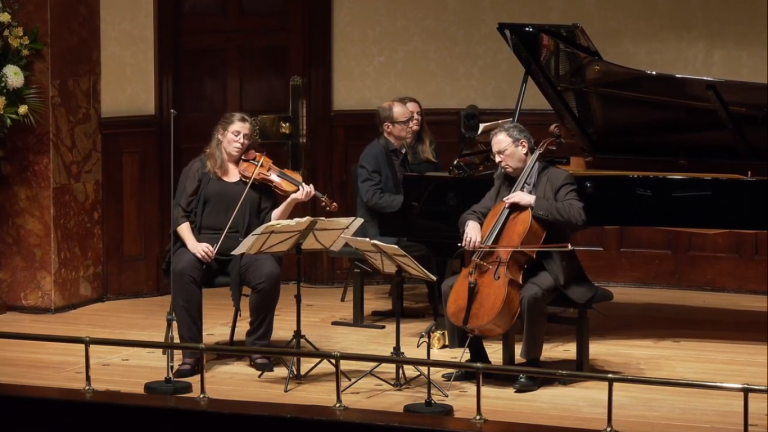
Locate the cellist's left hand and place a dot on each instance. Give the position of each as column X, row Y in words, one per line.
column 520, row 198
column 304, row 193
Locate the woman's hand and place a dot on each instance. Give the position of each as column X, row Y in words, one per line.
column 203, row 251
column 304, row 193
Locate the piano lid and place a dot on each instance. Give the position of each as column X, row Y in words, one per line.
column 619, row 112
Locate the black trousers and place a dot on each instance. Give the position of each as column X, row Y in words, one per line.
column 260, row 273
column 424, row 257
column 538, row 290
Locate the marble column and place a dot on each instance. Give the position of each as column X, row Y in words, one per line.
column 50, row 176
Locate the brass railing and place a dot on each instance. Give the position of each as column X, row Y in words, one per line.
column 479, row 369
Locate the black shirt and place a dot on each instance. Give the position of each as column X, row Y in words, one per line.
column 398, row 156
column 220, row 199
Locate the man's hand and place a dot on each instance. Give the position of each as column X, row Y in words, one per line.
column 471, row 236
column 520, row 198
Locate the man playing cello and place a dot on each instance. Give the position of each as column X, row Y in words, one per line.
column 551, row 194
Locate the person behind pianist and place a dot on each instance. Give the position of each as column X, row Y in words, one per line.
column 208, row 193
column 380, row 171
column 551, row 194
column 420, row 145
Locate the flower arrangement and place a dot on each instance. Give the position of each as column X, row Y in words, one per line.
column 19, row 102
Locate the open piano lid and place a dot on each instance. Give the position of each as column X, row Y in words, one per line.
column 619, row 112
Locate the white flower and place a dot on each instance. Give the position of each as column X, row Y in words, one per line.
column 5, row 18
column 14, row 78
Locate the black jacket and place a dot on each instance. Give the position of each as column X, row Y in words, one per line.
column 257, row 207
column 378, row 188
column 559, row 208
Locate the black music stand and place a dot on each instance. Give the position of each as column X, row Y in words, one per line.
column 169, row 386
column 391, row 260
column 298, row 236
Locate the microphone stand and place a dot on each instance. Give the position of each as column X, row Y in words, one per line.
column 429, row 406
column 169, row 386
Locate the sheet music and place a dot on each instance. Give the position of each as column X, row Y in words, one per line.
column 327, row 233
column 372, row 250
column 485, row 128
column 283, row 235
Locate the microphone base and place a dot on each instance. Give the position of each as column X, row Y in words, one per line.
column 435, row 408
column 168, row 387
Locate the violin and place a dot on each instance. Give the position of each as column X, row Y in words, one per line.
column 258, row 167
column 485, row 299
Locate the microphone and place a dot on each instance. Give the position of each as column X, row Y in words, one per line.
column 428, row 330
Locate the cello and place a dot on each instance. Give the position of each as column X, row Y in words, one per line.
column 485, row 299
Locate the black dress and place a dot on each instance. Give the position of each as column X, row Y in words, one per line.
column 418, row 165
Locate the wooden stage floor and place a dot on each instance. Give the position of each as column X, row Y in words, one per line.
column 659, row 333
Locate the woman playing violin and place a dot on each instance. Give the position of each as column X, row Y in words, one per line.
column 208, row 193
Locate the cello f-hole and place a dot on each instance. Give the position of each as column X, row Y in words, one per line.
column 496, row 275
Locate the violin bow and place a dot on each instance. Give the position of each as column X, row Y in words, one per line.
column 553, row 247
column 250, row 181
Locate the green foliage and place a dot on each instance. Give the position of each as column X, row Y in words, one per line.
column 19, row 101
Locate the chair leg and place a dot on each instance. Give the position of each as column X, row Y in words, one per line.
column 582, row 340
column 234, row 325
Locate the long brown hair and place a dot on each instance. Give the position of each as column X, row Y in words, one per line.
column 215, row 162
column 422, row 143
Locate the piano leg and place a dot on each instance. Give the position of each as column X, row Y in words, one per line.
column 358, row 305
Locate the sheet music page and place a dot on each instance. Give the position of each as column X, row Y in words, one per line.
column 408, row 264
column 327, row 233
column 273, row 237
column 376, row 258
column 483, row 132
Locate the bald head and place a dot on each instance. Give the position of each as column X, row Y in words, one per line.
column 393, row 119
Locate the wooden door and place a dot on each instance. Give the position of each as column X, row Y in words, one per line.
column 219, row 56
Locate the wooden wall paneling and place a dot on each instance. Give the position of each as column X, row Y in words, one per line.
column 131, row 199
column 632, row 256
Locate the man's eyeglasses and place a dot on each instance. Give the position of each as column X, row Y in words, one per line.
column 405, row 122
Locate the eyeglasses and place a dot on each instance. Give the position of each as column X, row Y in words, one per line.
column 405, row 122
column 503, row 150
column 246, row 137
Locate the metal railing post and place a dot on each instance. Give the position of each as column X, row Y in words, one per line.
column 479, row 418
column 609, row 415
column 203, row 394
column 87, row 344
column 746, row 409
column 339, row 405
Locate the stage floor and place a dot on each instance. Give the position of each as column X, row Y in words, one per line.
column 658, row 333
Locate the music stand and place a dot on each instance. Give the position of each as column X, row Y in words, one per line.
column 391, row 260
column 299, row 235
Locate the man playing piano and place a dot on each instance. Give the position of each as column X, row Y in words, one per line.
column 379, row 185
column 551, row 193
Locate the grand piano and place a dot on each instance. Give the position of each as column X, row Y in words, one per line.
column 647, row 149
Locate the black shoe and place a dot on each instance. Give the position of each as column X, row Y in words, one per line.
column 463, row 375
column 526, row 383
column 188, row 368
column 261, row 364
